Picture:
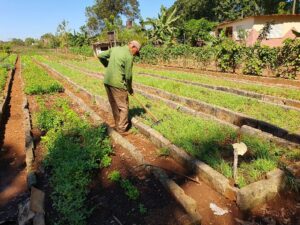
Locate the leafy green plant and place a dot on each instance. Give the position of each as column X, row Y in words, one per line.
column 288, row 61
column 229, row 55
column 130, row 190
column 70, row 137
column 114, row 176
column 142, row 209
column 37, row 81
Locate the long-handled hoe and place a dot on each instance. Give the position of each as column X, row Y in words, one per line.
column 156, row 121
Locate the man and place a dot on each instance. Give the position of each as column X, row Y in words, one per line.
column 118, row 80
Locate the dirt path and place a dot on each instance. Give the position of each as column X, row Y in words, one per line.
column 12, row 156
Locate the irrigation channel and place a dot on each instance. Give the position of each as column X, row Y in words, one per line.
column 13, row 174
column 220, row 114
column 195, row 196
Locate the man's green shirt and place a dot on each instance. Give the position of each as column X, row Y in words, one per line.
column 118, row 62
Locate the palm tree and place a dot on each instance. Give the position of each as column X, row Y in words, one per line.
column 163, row 29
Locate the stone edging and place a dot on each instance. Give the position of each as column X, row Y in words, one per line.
column 36, row 202
column 244, row 196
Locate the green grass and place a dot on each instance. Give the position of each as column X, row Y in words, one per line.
column 37, row 81
column 207, row 140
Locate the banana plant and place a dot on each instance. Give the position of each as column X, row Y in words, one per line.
column 163, row 29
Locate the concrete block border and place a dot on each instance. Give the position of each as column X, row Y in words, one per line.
column 216, row 180
column 36, row 196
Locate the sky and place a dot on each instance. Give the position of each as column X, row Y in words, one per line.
column 33, row 18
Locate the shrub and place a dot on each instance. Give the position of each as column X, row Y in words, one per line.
column 229, row 55
column 288, row 61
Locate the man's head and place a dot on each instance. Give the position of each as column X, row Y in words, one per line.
column 134, row 47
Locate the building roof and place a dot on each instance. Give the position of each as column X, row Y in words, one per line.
column 261, row 16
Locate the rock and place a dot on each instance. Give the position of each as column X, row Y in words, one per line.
column 37, row 200
column 39, row 219
column 261, row 191
column 25, row 214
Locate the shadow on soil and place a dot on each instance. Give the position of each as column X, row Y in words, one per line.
column 109, row 202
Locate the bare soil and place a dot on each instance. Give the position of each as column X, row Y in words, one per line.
column 13, row 186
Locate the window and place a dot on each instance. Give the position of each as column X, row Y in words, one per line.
column 276, row 31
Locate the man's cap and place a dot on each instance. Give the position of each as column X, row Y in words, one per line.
column 136, row 44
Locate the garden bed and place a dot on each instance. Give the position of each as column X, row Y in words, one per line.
column 165, row 110
column 220, row 113
column 110, row 191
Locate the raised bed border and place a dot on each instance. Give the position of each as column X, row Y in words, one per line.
column 36, row 196
column 263, row 190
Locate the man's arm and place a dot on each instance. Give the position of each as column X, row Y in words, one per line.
column 104, row 57
column 128, row 74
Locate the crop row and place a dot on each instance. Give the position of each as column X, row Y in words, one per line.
column 291, row 93
column 68, row 136
column 205, row 139
column 37, row 80
column 287, row 119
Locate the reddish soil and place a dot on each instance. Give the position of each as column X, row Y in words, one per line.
column 284, row 209
column 13, row 186
column 264, row 80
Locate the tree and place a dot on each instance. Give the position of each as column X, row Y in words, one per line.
column 194, row 9
column 63, row 34
column 163, row 30
column 198, row 29
column 48, row 40
column 234, row 9
column 17, row 42
column 29, row 41
column 110, row 9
